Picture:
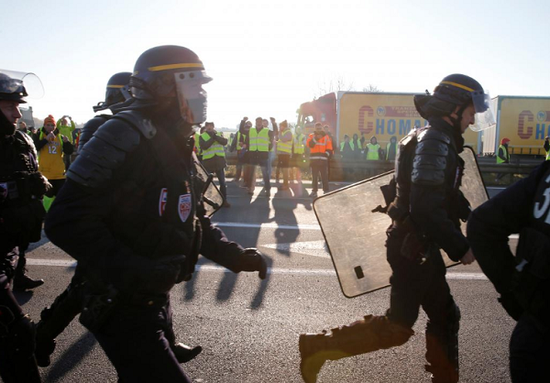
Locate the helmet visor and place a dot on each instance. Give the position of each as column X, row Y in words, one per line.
column 30, row 81
column 191, row 95
column 484, row 115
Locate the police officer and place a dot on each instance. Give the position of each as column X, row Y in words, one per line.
column 116, row 96
column 425, row 218
column 21, row 214
column 523, row 281
column 55, row 318
column 132, row 212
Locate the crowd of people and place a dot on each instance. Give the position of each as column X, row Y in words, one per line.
column 132, row 209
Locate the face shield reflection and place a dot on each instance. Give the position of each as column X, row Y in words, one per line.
column 191, row 95
column 484, row 115
column 31, row 82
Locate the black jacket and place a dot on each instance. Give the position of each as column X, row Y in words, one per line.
column 434, row 194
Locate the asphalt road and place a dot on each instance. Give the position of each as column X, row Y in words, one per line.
column 249, row 328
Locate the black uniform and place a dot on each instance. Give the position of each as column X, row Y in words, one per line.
column 131, row 212
column 90, row 128
column 21, row 216
column 523, row 281
column 426, row 218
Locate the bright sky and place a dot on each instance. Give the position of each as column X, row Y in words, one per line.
column 268, row 57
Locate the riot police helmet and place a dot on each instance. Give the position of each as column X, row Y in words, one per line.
column 12, row 89
column 457, row 90
column 117, row 92
column 169, row 72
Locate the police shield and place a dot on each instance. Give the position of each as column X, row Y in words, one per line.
column 356, row 236
column 212, row 197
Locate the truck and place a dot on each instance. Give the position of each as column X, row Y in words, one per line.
column 367, row 114
column 524, row 120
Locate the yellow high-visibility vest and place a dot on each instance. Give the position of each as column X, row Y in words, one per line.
column 216, row 149
column 259, row 141
column 299, row 144
column 285, row 147
column 506, row 155
column 373, row 154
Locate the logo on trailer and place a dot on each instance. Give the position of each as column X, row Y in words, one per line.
column 184, row 206
column 162, row 201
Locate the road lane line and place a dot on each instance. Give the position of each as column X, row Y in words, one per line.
column 267, row 226
column 319, row 272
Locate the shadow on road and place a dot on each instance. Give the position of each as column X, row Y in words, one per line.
column 71, row 357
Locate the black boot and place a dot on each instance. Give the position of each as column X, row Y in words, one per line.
column 185, row 353
column 22, row 282
column 366, row 335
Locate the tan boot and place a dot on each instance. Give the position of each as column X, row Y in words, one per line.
column 368, row 334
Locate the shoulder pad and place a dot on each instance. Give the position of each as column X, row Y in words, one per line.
column 433, row 134
column 90, row 128
column 104, row 153
column 25, row 141
column 430, row 159
column 137, row 119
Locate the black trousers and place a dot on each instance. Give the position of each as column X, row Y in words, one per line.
column 529, row 351
column 17, row 363
column 137, row 341
column 415, row 285
column 319, row 168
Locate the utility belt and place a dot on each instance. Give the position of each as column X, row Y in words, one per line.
column 531, row 279
column 21, row 187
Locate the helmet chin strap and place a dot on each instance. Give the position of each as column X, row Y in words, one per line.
column 458, row 120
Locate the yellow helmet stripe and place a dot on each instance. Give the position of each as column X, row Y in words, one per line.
column 115, row 86
column 175, row 66
column 457, row 85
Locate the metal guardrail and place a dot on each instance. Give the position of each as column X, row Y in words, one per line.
column 486, row 164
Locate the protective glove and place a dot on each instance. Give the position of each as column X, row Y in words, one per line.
column 253, row 260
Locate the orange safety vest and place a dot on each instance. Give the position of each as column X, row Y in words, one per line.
column 319, row 151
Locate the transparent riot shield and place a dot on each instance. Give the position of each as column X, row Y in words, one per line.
column 212, row 197
column 356, row 236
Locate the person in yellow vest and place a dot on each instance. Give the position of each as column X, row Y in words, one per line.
column 66, row 130
column 357, row 145
column 239, row 145
column 503, row 156
column 213, row 155
column 259, row 142
column 372, row 150
column 547, row 147
column 52, row 147
column 196, row 148
column 347, row 151
column 298, row 159
column 391, row 149
column 284, row 151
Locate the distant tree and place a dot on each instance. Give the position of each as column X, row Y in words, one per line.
column 372, row 89
column 333, row 85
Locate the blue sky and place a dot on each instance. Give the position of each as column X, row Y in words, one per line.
column 267, row 58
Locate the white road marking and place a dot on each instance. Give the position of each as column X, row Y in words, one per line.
column 267, row 226
column 313, row 248
column 306, row 272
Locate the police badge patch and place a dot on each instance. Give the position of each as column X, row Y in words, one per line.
column 162, row 201
column 184, row 206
